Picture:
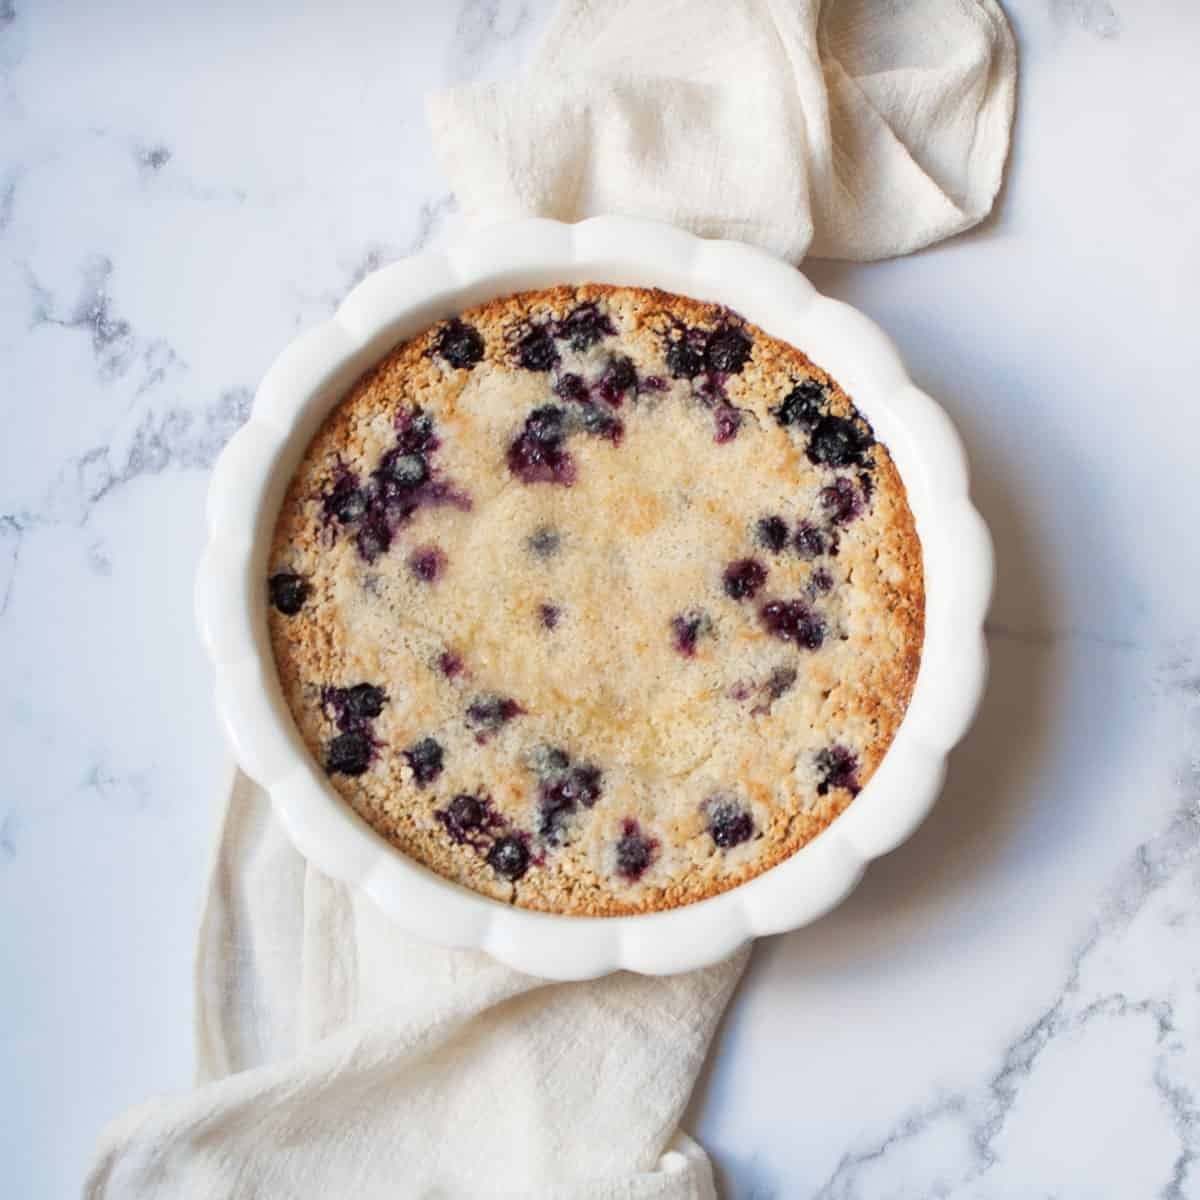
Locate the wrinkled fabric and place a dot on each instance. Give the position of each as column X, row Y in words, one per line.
column 337, row 1056
column 856, row 129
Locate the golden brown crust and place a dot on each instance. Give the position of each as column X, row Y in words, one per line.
column 647, row 524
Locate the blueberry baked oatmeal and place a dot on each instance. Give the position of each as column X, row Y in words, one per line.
column 597, row 600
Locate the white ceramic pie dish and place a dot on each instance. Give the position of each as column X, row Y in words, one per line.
column 309, row 378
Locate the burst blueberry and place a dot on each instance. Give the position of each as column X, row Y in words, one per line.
column 465, row 817
column 491, row 712
column 635, row 852
column 426, row 758
column 362, row 702
column 571, row 387
column 460, row 344
column 842, row 501
column 837, row 767
column 620, row 376
column 427, row 563
column 820, row 582
column 345, row 501
column 287, row 592
column 416, row 431
column 726, row 421
column 536, row 350
column 793, row 621
column 802, row 406
column 538, row 455
column 349, row 753
column 584, row 326
column 744, row 579
column 688, row 628
column 601, row 423
column 727, row 350
column 374, row 534
column 838, row 442
column 809, row 541
column 548, row 615
column 685, row 353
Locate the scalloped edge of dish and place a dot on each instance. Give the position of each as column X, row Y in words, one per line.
column 312, row 374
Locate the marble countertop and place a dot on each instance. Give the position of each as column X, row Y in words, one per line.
column 1010, row 1004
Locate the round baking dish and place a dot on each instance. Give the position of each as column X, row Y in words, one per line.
column 313, row 374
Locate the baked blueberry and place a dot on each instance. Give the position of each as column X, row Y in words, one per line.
column 571, row 387
column 450, row 664
column 771, row 533
column 554, row 811
column 820, row 581
column 536, row 350
column 547, row 760
column 584, row 326
column 809, row 541
column 415, row 431
column 491, row 712
column 599, row 422
column 466, row 816
column 837, row 767
column 425, row 758
column 345, row 502
column 744, row 579
column 509, row 857
column 688, row 628
column 548, row 615
column 544, row 542
column 838, row 442
column 727, row 421
column 842, row 501
column 620, row 377
column 781, row 681
column 635, row 852
column 802, row 406
column 363, row 701
column 729, row 824
column 287, row 592
column 538, row 455
column 427, row 563
column 793, row 621
column 547, row 425
column 586, row 782
column 349, row 753
column 460, row 344
column 685, row 352
column 374, row 534
column 406, row 472
column 727, row 350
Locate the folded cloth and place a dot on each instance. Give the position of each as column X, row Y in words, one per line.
column 338, row 1057
column 856, row 129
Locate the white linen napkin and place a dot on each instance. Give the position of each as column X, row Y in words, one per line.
column 856, row 129
column 338, row 1057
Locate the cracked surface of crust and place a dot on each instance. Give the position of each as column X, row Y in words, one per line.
column 641, row 536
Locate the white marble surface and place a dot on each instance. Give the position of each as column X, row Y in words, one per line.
column 1010, row 1004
